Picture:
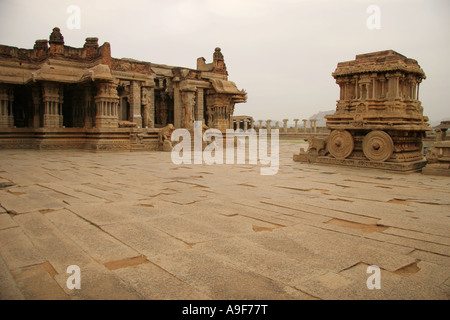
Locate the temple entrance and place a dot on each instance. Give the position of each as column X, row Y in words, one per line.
column 164, row 109
column 73, row 107
column 125, row 109
column 22, row 107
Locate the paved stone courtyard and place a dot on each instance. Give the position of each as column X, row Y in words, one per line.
column 140, row 227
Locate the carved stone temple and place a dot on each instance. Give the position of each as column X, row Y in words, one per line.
column 379, row 121
column 59, row 97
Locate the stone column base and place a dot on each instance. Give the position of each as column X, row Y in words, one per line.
column 52, row 121
column 221, row 124
column 6, row 122
column 106, row 122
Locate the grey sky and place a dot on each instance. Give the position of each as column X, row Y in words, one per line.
column 281, row 51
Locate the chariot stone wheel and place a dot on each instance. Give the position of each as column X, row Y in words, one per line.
column 378, row 146
column 340, row 144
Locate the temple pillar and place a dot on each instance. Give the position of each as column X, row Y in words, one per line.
column 418, row 87
column 188, row 100
column 148, row 107
column 6, row 101
column 356, row 79
column 89, row 106
column 304, row 125
column 200, row 108
column 374, row 86
column 135, row 103
column 177, row 104
column 209, row 113
column 285, row 127
column 219, row 105
column 107, row 104
column 37, row 100
column 383, row 87
column 314, row 125
column 245, row 125
column 296, row 125
column 268, row 125
column 52, row 96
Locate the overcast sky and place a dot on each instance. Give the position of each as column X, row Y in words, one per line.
column 282, row 52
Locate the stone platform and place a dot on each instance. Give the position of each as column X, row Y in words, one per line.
column 403, row 167
column 140, row 227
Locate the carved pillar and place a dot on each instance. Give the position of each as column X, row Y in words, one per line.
column 229, row 114
column 245, row 125
column 360, row 91
column 383, row 87
column 52, row 96
column 304, row 125
column 314, row 125
column 60, row 108
column 268, row 125
column 199, row 110
column 209, row 113
column 356, row 78
column 341, row 84
column 296, row 125
column 418, row 87
column 107, row 104
column 285, row 127
column 177, row 106
column 374, row 86
column 148, row 107
column 6, row 100
column 135, row 103
column 188, row 100
column 260, row 124
column 411, row 88
column 37, row 100
column 396, row 86
column 220, row 109
column 89, row 106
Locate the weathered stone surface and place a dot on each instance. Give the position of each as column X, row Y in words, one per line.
column 8, row 287
column 98, row 283
column 6, row 222
column 36, row 283
column 145, row 238
column 17, row 250
column 140, row 227
column 52, row 243
column 220, row 280
column 84, row 234
column 153, row 283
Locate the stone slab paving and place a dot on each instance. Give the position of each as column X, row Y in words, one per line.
column 140, row 227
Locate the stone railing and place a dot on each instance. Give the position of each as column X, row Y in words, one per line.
column 309, row 126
